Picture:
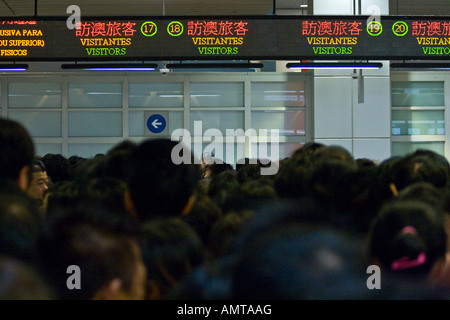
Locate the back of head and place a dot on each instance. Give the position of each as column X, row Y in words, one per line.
column 109, row 191
column 407, row 237
column 250, row 196
column 359, row 195
column 291, row 179
column 242, row 162
column 205, row 212
column 58, row 167
column 426, row 192
column 91, row 168
column 223, row 185
column 213, row 169
column 16, row 149
column 224, row 232
column 125, row 145
column 102, row 244
column 419, row 168
column 75, row 164
column 116, row 163
column 61, row 194
column 251, row 171
column 292, row 261
column 324, row 179
column 334, row 153
column 20, row 222
column 171, row 249
column 158, row 187
column 20, row 280
column 309, row 148
column 365, row 163
column 432, row 155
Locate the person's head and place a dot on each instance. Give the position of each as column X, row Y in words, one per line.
column 205, row 212
column 365, row 163
column 224, row 232
column 250, row 171
column 92, row 168
column 125, row 145
column 213, row 169
column 359, row 194
column 308, row 148
column 75, row 163
column 223, row 185
column 250, row 196
column 19, row 280
column 171, row 250
column 58, row 167
column 295, row 262
column 157, row 186
column 101, row 248
column 61, row 194
column 20, row 222
column 39, row 181
column 407, row 238
column 324, row 178
column 116, row 160
column 426, row 192
column 438, row 198
column 242, row 163
column 108, row 190
column 333, row 153
column 418, row 168
column 291, row 180
column 16, row 152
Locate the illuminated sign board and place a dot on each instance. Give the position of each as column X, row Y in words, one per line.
column 226, row 38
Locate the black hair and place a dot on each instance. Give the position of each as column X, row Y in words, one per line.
column 38, row 166
column 16, row 148
column 58, row 167
column 92, row 237
column 158, row 187
column 171, row 249
column 407, row 228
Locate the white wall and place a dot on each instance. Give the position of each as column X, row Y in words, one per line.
column 346, row 114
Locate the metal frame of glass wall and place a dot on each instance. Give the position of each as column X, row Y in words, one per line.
column 86, row 114
column 419, row 117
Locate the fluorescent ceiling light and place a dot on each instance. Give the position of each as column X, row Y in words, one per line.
column 213, row 65
column 170, row 95
column 13, row 67
column 334, row 65
column 111, row 66
column 445, row 66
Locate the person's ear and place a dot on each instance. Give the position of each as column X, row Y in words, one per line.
column 23, row 179
column 110, row 291
column 129, row 204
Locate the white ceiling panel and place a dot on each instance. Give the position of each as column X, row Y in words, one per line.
column 137, row 7
column 11, row 8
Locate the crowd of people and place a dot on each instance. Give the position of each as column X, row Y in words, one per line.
column 131, row 224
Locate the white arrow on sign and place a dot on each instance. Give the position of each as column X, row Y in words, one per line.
column 155, row 123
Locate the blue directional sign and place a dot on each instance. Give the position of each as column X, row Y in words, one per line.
column 156, row 123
